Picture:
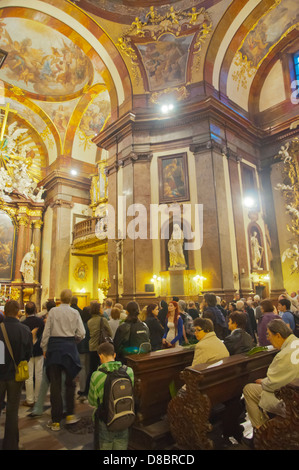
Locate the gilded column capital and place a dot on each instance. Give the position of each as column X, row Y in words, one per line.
column 37, row 224
column 22, row 220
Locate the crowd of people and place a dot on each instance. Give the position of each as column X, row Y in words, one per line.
column 61, row 343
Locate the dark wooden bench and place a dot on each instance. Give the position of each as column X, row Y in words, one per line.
column 209, row 385
column 154, row 373
column 281, row 433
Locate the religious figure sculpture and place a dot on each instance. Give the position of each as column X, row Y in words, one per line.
column 28, row 265
column 256, row 252
column 175, row 248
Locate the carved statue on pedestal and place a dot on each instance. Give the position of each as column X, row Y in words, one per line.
column 256, row 252
column 175, row 248
column 28, row 265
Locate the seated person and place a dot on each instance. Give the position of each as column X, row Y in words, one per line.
column 260, row 396
column 238, row 341
column 209, row 348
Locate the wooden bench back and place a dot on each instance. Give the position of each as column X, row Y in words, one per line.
column 226, row 379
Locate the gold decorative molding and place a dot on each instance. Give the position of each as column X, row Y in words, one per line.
column 179, row 93
column 177, row 23
column 80, row 272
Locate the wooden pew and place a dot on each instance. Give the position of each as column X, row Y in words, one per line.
column 282, row 433
column 153, row 374
column 208, row 385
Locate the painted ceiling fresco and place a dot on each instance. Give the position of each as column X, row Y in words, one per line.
column 41, row 60
column 47, row 75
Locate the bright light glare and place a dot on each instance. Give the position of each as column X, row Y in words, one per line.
column 74, row 172
column 249, row 202
column 165, row 108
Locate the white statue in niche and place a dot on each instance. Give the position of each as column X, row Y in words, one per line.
column 256, row 252
column 175, row 248
column 28, row 265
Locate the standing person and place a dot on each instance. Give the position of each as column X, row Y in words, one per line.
column 174, row 326
column 96, row 321
column 108, row 307
column 84, row 354
column 211, row 311
column 109, row 440
column 36, row 363
column 192, row 310
column 20, row 338
column 74, row 304
column 38, row 408
column 284, row 309
column 114, row 320
column 63, row 329
column 163, row 312
column 132, row 335
column 188, row 333
column 267, row 311
column 156, row 330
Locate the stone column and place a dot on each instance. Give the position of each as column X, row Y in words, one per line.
column 36, row 240
column 61, row 243
column 211, row 192
column 22, row 224
column 137, row 253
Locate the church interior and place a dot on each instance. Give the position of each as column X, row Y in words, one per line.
column 148, row 149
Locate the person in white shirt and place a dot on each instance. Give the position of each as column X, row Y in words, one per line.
column 63, row 330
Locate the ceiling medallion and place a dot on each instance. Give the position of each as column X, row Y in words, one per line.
column 194, row 23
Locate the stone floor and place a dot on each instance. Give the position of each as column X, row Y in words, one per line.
column 36, row 435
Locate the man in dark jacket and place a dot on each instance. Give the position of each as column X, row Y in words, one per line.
column 20, row 338
column 238, row 341
column 211, row 311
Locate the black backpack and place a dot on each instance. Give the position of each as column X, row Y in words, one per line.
column 117, row 409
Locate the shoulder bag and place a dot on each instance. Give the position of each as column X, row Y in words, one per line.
column 22, row 369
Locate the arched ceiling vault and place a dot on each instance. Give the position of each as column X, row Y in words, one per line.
column 63, row 75
column 245, row 44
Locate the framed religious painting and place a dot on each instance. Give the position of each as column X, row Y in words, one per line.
column 7, row 241
column 173, row 178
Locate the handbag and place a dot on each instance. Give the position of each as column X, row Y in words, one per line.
column 22, row 369
column 104, row 338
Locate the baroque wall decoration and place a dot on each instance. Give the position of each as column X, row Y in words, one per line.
column 288, row 154
column 162, row 44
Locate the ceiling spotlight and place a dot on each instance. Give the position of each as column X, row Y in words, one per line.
column 166, row 108
column 74, row 172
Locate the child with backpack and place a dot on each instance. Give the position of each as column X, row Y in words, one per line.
column 111, row 392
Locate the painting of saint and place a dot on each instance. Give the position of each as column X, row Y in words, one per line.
column 165, row 61
column 173, row 178
column 6, row 246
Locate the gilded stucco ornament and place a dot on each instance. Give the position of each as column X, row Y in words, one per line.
column 177, row 23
